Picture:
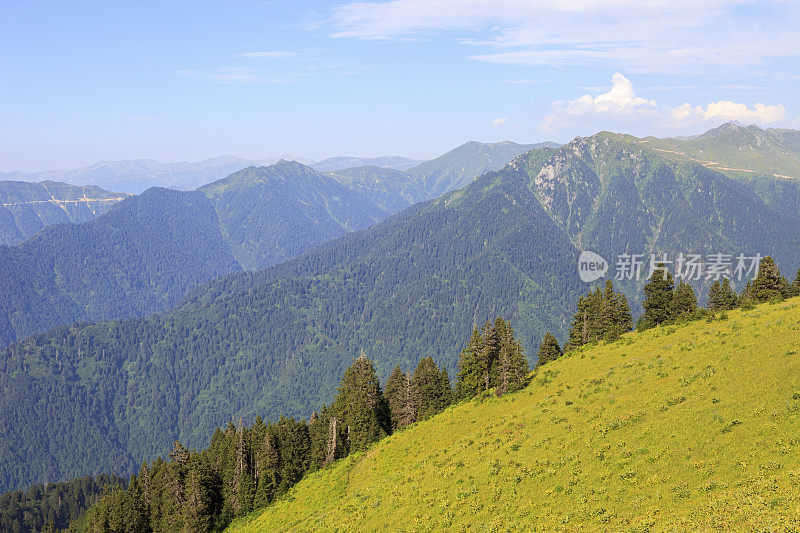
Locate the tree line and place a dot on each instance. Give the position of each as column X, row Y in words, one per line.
column 605, row 314
column 244, row 468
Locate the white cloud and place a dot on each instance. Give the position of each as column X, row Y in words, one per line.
column 725, row 110
column 271, row 54
column 500, row 121
column 619, row 100
column 674, row 36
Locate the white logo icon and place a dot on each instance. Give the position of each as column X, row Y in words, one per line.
column 591, row 266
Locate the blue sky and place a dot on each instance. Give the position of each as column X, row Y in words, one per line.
column 90, row 81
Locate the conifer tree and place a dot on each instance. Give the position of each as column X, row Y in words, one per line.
column 198, row 510
column 512, row 364
column 488, row 356
column 769, row 284
column 601, row 315
column 492, row 359
column 360, row 405
column 267, row 463
column 549, row 350
column 684, row 301
column 721, row 296
column 396, row 394
column 658, row 293
column 470, row 379
column 408, row 413
column 294, row 448
column 622, row 313
column 430, row 389
column 579, row 331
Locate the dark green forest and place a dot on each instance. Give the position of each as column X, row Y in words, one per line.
column 114, row 393
column 144, row 255
column 53, row 506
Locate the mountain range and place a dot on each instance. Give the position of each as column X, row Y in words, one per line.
column 135, row 176
column 252, row 219
column 111, row 394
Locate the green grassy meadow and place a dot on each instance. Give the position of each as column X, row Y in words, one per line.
column 679, row 428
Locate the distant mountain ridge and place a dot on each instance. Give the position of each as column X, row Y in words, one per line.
column 458, row 167
column 767, row 161
column 258, row 217
column 135, row 176
column 273, row 214
column 342, row 162
column 27, row 208
column 394, row 189
column 734, row 148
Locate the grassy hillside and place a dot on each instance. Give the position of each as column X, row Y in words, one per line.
column 740, row 150
column 690, row 427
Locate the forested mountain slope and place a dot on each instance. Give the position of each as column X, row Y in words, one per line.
column 660, row 430
column 766, row 161
column 54, row 505
column 458, row 167
column 143, row 255
column 113, row 394
column 272, row 214
column 389, row 189
column 612, row 194
column 265, row 215
column 273, row 342
column 26, row 208
column 148, row 252
column 393, row 189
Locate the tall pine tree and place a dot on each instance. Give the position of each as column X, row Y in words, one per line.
column 399, row 397
column 684, row 300
column 470, row 379
column 430, row 389
column 769, row 284
column 512, row 365
column 360, row 405
column 658, row 293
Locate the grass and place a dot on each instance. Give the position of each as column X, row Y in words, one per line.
column 678, row 428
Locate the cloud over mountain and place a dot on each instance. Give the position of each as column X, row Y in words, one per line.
column 725, row 110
